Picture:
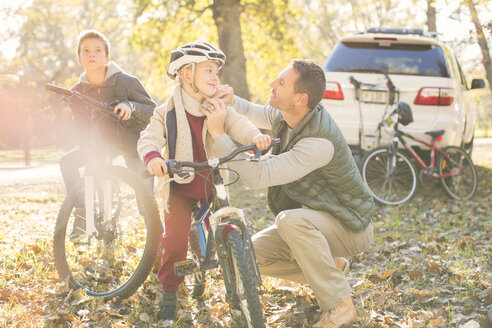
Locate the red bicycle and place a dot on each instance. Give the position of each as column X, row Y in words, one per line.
column 392, row 177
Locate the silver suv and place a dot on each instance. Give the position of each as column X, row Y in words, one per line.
column 368, row 73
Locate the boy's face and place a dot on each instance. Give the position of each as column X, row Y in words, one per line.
column 92, row 54
column 207, row 77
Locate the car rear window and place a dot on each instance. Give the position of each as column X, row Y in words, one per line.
column 406, row 59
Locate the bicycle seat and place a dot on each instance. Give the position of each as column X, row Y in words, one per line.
column 436, row 133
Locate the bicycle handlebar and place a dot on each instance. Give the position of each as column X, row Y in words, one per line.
column 75, row 94
column 391, row 86
column 175, row 167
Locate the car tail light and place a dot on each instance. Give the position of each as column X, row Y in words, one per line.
column 333, row 91
column 435, row 96
column 385, row 39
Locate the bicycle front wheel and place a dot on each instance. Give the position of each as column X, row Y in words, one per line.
column 392, row 180
column 117, row 260
column 464, row 185
column 243, row 277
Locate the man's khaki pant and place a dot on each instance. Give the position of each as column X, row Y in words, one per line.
column 300, row 247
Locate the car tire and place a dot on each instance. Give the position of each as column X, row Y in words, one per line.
column 468, row 147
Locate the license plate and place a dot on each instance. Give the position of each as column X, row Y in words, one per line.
column 374, row 96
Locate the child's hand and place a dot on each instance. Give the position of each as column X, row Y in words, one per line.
column 125, row 112
column 157, row 166
column 262, row 141
column 216, row 112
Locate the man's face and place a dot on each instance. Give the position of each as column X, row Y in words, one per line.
column 92, row 54
column 282, row 93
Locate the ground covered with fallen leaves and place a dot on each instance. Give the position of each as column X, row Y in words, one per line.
column 429, row 266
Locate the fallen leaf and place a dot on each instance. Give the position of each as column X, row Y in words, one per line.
column 414, row 274
column 386, row 274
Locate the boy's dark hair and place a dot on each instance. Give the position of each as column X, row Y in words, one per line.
column 93, row 34
column 311, row 80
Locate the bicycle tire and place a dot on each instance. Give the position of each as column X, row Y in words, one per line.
column 389, row 188
column 463, row 186
column 128, row 260
column 247, row 297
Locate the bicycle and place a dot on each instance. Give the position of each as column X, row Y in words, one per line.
column 391, row 175
column 227, row 240
column 371, row 93
column 116, row 251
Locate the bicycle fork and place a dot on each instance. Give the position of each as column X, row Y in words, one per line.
column 392, row 153
column 90, row 203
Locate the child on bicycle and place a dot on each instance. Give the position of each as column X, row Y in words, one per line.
column 103, row 80
column 180, row 128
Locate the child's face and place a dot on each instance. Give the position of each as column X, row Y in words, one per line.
column 207, row 77
column 93, row 55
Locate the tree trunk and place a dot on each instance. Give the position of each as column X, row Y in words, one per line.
column 226, row 16
column 431, row 16
column 26, row 145
column 482, row 42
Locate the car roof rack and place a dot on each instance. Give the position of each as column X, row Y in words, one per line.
column 384, row 30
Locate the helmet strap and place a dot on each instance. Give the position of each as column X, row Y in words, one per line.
column 195, row 89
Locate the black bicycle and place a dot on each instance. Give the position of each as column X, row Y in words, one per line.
column 116, row 249
column 226, row 242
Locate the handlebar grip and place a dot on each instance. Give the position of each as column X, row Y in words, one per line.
column 61, row 91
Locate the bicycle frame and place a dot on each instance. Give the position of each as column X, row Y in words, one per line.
column 97, row 107
column 428, row 169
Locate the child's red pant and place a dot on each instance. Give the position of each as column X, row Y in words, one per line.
column 174, row 240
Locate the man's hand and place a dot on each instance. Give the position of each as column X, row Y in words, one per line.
column 226, row 94
column 262, row 141
column 157, row 166
column 125, row 112
column 216, row 112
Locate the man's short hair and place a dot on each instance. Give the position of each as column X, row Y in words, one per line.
column 311, row 80
column 93, row 34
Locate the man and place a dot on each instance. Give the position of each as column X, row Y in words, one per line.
column 323, row 208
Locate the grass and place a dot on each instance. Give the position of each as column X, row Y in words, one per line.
column 38, row 155
column 428, row 266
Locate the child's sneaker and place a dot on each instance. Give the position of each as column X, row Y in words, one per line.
column 168, row 309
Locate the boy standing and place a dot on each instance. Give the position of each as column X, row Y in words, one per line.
column 103, row 80
column 181, row 128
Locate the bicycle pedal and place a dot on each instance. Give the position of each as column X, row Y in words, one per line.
column 185, row 267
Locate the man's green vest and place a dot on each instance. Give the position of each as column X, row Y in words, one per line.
column 336, row 188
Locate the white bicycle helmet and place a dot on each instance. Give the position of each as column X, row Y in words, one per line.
column 194, row 52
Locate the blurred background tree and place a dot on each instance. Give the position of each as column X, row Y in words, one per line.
column 254, row 35
column 259, row 38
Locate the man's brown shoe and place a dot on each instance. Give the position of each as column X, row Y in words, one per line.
column 343, row 314
column 342, row 264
